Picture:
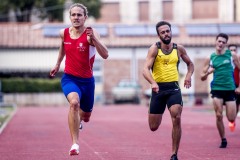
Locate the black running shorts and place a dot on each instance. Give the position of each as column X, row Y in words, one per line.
column 168, row 95
column 228, row 95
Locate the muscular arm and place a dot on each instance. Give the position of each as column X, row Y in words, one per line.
column 190, row 67
column 152, row 53
column 207, row 69
column 94, row 39
column 61, row 55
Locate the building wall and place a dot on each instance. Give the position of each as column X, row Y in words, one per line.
column 237, row 10
column 226, row 10
column 28, row 59
column 182, row 11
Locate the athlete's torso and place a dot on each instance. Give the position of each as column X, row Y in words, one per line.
column 165, row 66
column 223, row 73
column 80, row 55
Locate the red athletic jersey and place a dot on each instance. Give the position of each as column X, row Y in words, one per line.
column 80, row 55
column 236, row 75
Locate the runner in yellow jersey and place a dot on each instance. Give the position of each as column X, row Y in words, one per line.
column 161, row 71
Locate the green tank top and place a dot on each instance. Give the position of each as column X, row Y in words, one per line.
column 223, row 74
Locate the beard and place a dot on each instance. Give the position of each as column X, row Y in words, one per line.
column 166, row 41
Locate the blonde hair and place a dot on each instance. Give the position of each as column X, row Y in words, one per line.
column 85, row 11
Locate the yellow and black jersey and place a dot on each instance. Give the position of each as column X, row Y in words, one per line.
column 165, row 66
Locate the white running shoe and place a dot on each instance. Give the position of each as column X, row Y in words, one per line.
column 81, row 126
column 74, row 150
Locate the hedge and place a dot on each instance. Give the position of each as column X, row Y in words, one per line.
column 30, row 85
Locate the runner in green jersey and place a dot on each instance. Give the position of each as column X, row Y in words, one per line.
column 221, row 64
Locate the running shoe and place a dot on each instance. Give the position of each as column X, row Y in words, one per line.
column 74, row 150
column 81, row 126
column 223, row 143
column 174, row 157
column 232, row 126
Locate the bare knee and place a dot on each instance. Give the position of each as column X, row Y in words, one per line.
column 74, row 104
column 219, row 117
column 154, row 121
column 85, row 116
column 177, row 121
column 153, row 127
column 86, row 119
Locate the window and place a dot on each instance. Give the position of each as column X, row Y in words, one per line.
column 110, row 12
column 205, row 9
column 167, row 10
column 143, row 11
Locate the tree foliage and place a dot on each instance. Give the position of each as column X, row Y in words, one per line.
column 51, row 9
column 3, row 11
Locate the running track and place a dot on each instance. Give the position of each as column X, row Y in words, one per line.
column 115, row 133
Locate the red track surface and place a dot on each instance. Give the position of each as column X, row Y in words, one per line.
column 114, row 133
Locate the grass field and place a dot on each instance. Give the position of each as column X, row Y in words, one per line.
column 5, row 113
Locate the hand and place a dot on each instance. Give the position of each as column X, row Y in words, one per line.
column 89, row 32
column 237, row 90
column 53, row 71
column 187, row 83
column 155, row 87
column 210, row 70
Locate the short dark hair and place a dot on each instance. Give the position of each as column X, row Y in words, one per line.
column 232, row 45
column 222, row 35
column 161, row 23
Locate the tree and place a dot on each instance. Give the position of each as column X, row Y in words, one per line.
column 53, row 10
column 93, row 7
column 3, row 11
column 22, row 9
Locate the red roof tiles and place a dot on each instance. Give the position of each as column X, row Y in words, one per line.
column 26, row 35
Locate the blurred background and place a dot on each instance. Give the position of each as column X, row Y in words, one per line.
column 29, row 42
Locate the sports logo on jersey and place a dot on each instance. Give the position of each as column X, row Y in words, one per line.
column 165, row 62
column 81, row 47
column 226, row 61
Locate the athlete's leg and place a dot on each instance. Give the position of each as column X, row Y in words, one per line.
column 218, row 107
column 231, row 110
column 175, row 111
column 84, row 116
column 237, row 109
column 156, row 110
column 154, row 121
column 87, row 101
column 73, row 116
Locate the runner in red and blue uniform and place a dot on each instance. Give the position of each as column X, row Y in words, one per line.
column 79, row 44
